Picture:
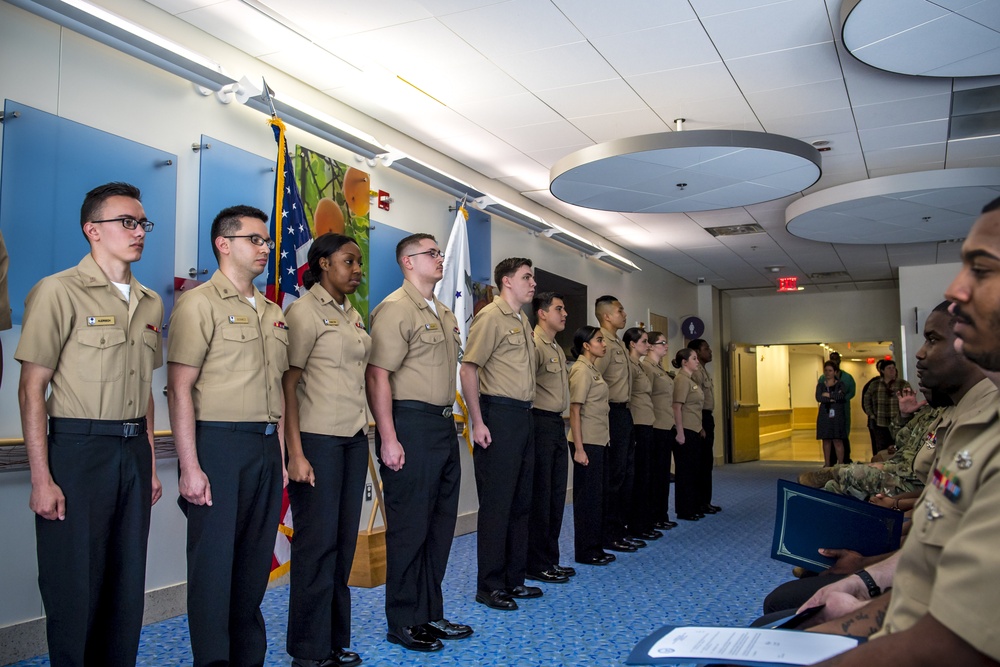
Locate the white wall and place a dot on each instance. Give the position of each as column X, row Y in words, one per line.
column 921, row 288
column 773, row 382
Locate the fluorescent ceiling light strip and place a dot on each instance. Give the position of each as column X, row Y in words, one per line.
column 320, row 124
column 127, row 37
column 617, row 260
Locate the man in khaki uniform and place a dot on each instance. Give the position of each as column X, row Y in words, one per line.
column 227, row 349
column 706, row 457
column 92, row 335
column 5, row 322
column 411, row 385
column 944, row 592
column 617, row 372
column 548, row 493
column 498, row 379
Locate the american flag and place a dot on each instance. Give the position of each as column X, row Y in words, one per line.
column 290, row 257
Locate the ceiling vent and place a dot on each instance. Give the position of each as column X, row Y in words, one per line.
column 735, row 230
column 829, row 275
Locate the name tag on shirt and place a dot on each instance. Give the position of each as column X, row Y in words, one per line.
column 430, row 327
column 515, row 330
column 239, row 319
column 330, row 323
column 100, row 320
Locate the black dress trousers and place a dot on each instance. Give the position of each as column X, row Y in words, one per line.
column 548, row 491
column 640, row 517
column 588, row 503
column 326, row 520
column 421, row 507
column 92, row 565
column 230, row 545
column 706, row 459
column 686, row 459
column 621, row 463
column 664, row 443
column 504, row 472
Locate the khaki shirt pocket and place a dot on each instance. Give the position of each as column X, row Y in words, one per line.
column 431, row 337
column 516, row 340
column 554, row 367
column 147, row 357
column 102, row 354
column 278, row 352
column 240, row 347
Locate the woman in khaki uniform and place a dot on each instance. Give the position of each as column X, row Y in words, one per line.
column 326, row 426
column 640, row 402
column 688, row 402
column 664, row 441
column 588, row 425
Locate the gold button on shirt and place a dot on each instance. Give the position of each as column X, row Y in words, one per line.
column 329, row 343
column 687, row 391
column 5, row 322
column 419, row 348
column 551, row 374
column 662, row 395
column 101, row 348
column 640, row 402
column 588, row 388
column 242, row 352
column 615, row 368
column 502, row 346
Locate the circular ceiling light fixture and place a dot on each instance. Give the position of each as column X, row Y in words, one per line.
column 678, row 172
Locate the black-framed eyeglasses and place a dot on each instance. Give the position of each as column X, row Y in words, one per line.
column 130, row 223
column 255, row 239
column 433, row 254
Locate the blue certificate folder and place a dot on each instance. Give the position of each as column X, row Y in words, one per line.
column 809, row 519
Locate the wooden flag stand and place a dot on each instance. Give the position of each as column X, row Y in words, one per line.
column 368, row 570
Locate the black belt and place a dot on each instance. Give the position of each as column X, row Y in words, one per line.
column 263, row 428
column 503, row 400
column 547, row 413
column 440, row 410
column 620, row 406
column 119, row 429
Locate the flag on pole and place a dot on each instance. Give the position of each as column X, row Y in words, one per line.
column 292, row 239
column 455, row 287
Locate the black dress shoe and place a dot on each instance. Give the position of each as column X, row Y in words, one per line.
column 686, row 517
column 340, row 657
column 664, row 525
column 414, row 638
column 623, row 547
column 548, row 577
column 650, row 535
column 601, row 559
column 524, row 592
column 719, row 509
column 305, row 662
column 634, row 541
column 445, row 629
column 707, row 509
column 496, row 600
column 567, row 571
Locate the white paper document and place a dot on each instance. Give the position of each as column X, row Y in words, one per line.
column 786, row 647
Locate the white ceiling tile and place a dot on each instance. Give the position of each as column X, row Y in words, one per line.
column 897, row 112
column 771, row 27
column 800, row 100
column 597, row 19
column 913, row 134
column 317, row 67
column 966, row 149
column 549, row 156
column 330, row 20
column 655, row 49
column 442, row 7
column 530, row 138
column 591, row 99
column 504, row 112
column 902, row 167
column 606, row 127
column 731, row 113
column 179, row 6
column 867, row 85
column 526, row 182
column 245, row 28
column 710, row 81
column 514, row 26
column 908, row 155
column 557, row 67
column 812, row 125
column 782, row 69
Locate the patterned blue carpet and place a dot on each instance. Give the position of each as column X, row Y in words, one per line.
column 714, row 571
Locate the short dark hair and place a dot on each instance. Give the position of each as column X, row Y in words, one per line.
column 543, row 300
column 655, row 336
column 697, row 344
column 322, row 246
column 410, row 240
column 93, row 201
column 632, row 335
column 583, row 335
column 606, row 300
column 834, row 353
column 885, row 364
column 229, row 222
column 832, row 364
column 507, row 268
column 992, row 206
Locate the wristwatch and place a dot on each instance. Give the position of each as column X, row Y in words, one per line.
column 873, row 589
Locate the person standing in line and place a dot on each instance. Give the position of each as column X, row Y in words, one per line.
column 498, row 379
column 226, row 353
column 706, row 448
column 589, row 437
column 688, row 400
column 411, row 382
column 640, row 515
column 850, row 390
column 91, row 335
column 328, row 350
column 663, row 429
column 617, row 372
column 881, row 403
column 548, row 489
column 831, row 423
column 5, row 320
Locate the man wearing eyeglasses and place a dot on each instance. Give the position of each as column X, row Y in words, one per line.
column 410, row 381
column 91, row 334
column 226, row 353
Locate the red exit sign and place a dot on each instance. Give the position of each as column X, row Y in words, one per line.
column 789, row 284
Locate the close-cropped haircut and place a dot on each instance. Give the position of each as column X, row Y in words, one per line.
column 543, row 300
column 507, row 268
column 407, row 243
column 992, row 206
column 697, row 344
column 229, row 221
column 93, row 201
column 603, row 303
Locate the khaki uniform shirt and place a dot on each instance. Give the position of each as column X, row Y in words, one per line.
column 242, row 352
column 615, row 368
column 329, row 343
column 5, row 322
column 101, row 348
column 499, row 343
column 949, row 563
column 663, row 395
column 588, row 388
column 418, row 348
column 688, row 392
column 551, row 374
column 640, row 401
column 704, row 380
